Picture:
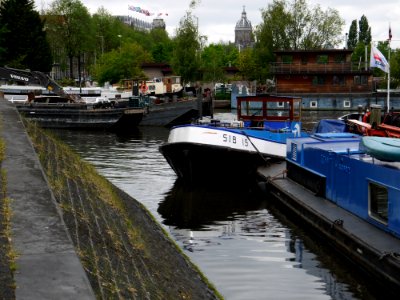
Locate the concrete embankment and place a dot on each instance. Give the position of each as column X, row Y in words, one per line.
column 77, row 236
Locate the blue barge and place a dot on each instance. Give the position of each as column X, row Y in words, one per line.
column 351, row 198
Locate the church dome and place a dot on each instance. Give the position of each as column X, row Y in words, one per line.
column 243, row 23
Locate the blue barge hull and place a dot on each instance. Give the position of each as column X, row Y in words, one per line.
column 372, row 249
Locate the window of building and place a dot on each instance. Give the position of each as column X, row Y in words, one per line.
column 346, row 103
column 313, row 104
column 287, row 59
column 338, row 80
column 322, row 59
column 378, row 202
column 318, row 80
column 304, row 60
column 280, row 104
column 361, row 80
column 340, row 58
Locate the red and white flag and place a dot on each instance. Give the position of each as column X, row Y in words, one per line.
column 378, row 60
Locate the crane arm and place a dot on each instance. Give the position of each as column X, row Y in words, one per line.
column 34, row 77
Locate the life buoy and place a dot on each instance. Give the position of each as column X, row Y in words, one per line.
column 144, row 88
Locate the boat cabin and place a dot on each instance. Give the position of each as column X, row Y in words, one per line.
column 272, row 112
column 334, row 166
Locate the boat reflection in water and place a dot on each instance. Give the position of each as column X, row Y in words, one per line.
column 243, row 248
column 195, row 208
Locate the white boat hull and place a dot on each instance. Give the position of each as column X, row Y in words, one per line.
column 203, row 153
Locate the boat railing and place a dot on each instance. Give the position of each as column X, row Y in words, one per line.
column 318, row 68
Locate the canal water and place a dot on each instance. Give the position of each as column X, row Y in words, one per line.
column 235, row 236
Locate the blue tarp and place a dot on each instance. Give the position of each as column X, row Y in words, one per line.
column 330, row 125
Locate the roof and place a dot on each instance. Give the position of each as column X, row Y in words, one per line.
column 243, row 22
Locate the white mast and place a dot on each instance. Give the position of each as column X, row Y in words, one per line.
column 388, row 82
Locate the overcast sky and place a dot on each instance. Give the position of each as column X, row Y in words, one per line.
column 217, row 18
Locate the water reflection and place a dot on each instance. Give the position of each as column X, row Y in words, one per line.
column 194, row 208
column 243, row 248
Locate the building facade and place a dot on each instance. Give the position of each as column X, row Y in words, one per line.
column 325, row 79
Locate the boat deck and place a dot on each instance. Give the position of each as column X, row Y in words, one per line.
column 357, row 239
column 383, row 242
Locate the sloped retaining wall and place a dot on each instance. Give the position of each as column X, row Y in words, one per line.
column 125, row 253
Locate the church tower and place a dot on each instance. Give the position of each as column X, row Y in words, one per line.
column 244, row 32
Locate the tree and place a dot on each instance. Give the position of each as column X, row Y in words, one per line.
column 162, row 45
column 363, row 43
column 71, row 28
column 212, row 63
column 273, row 33
column 106, row 31
column 247, row 65
column 395, row 68
column 364, row 34
column 23, row 42
column 121, row 63
column 352, row 38
column 293, row 26
column 185, row 57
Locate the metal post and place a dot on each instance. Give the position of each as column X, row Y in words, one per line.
column 388, row 82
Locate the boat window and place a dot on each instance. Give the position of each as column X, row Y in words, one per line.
column 280, row 104
column 313, row 104
column 346, row 103
column 378, row 202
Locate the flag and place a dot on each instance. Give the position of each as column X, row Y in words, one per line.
column 390, row 33
column 378, row 60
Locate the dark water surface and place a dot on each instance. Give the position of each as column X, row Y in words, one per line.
column 245, row 249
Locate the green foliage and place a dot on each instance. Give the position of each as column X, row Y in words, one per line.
column 212, row 63
column 272, row 32
column 23, row 42
column 122, row 63
column 364, row 39
column 359, row 53
column 247, row 65
column 70, row 30
column 294, row 25
column 185, row 57
column 364, row 35
column 162, row 45
column 395, row 68
column 352, row 38
column 106, row 29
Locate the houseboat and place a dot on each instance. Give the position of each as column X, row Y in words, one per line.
column 327, row 79
column 348, row 195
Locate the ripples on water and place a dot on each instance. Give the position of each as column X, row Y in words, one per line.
column 230, row 234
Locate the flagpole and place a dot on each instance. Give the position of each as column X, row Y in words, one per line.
column 388, row 83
